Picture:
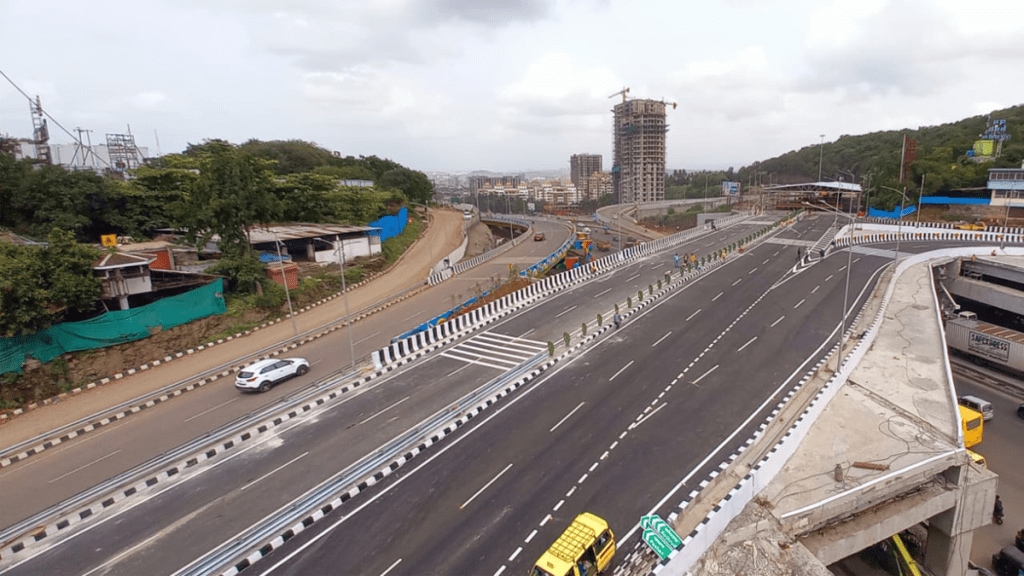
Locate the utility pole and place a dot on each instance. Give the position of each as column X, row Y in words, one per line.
column 921, row 194
column 821, row 155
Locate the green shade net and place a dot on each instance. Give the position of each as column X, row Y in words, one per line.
column 113, row 328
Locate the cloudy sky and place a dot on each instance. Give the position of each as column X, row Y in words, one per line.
column 506, row 85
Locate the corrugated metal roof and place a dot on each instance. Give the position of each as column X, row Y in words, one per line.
column 119, row 260
column 301, row 231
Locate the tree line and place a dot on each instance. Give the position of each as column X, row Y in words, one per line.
column 215, row 188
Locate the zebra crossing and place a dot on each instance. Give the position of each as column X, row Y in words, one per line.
column 868, row 251
column 495, row 350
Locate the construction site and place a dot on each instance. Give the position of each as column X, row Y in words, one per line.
column 638, row 149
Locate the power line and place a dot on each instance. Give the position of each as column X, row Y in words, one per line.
column 47, row 114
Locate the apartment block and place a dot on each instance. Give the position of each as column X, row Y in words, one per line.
column 638, row 164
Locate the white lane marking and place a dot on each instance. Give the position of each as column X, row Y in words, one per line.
column 392, row 567
column 530, row 537
column 566, row 311
column 777, row 321
column 752, row 271
column 662, row 338
column 592, row 466
column 582, row 478
column 841, row 269
column 829, row 277
column 493, row 480
column 658, row 264
column 500, row 570
column 559, row 505
column 856, row 259
column 765, row 261
column 123, row 554
column 645, row 418
column 614, row 444
column 368, row 337
column 570, row 492
column 459, row 369
column 292, row 461
column 413, row 316
column 632, row 277
column 80, row 468
column 717, row 297
column 738, row 280
column 567, row 416
column 602, row 293
column 384, row 410
column 702, row 376
column 545, row 520
column 749, row 342
column 798, row 304
column 815, row 288
column 208, row 410
column 621, row 370
column 688, row 318
column 525, row 333
column 514, row 554
column 776, row 253
column 472, row 361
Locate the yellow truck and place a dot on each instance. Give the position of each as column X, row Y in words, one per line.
column 585, row 548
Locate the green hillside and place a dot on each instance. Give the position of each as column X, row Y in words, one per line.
column 875, row 159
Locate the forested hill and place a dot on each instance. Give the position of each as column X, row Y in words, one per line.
column 941, row 157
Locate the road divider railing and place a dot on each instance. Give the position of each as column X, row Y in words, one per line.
column 459, row 268
column 885, row 234
column 34, row 446
column 261, row 539
column 941, row 225
column 439, row 334
column 696, row 543
column 45, row 527
column 291, row 519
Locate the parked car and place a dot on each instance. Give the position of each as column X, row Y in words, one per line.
column 538, row 237
column 263, row 375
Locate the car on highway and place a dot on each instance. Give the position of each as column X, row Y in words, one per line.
column 263, row 375
column 978, row 405
column 538, row 237
column 972, row 226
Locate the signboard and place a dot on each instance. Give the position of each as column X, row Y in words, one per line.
column 659, row 536
column 984, row 147
column 730, row 188
column 108, row 240
column 989, row 346
column 531, row 206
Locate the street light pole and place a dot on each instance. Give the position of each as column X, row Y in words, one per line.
column 821, row 155
column 284, row 279
column 344, row 295
column 919, row 196
column 899, row 218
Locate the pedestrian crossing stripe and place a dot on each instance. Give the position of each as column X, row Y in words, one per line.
column 495, row 350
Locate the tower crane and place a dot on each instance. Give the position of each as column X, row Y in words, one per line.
column 673, row 104
column 623, row 92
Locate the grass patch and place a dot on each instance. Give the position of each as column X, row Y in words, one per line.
column 393, row 248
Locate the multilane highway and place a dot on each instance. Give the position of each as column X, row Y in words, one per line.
column 67, row 469
column 154, row 434
column 661, row 400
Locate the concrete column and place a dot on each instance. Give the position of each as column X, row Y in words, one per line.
column 947, row 555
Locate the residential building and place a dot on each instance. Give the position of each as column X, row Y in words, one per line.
column 598, row 184
column 638, row 152
column 581, row 166
column 1007, row 186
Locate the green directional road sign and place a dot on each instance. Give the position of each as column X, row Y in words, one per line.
column 663, row 538
column 660, row 547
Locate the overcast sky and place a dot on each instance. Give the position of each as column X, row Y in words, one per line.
column 506, row 85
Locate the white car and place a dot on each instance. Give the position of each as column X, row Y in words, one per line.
column 262, row 375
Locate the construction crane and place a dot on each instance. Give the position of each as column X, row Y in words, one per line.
column 623, row 92
column 673, row 104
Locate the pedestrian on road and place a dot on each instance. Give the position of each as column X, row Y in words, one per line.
column 798, row 255
column 618, row 320
column 676, row 259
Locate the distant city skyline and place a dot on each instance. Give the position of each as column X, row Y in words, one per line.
column 513, row 86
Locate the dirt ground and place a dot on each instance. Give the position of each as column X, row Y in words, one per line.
column 480, row 240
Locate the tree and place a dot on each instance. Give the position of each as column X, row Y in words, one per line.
column 289, row 156
column 38, row 284
column 413, row 183
column 231, row 194
column 304, row 197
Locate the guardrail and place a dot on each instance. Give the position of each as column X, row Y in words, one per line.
column 288, row 521
column 461, row 267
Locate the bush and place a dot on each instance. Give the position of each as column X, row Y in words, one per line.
column 273, row 296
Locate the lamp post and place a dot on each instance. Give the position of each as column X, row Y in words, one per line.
column 846, row 297
column 919, row 196
column 899, row 218
column 706, row 176
column 284, row 278
column 344, row 293
column 821, row 155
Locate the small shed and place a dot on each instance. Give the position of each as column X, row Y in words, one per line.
column 123, row 275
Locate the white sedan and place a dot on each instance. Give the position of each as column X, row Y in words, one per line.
column 262, row 375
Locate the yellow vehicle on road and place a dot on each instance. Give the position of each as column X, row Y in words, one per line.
column 976, row 226
column 585, row 548
column 973, row 424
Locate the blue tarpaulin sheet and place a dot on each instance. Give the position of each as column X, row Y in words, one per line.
column 391, row 226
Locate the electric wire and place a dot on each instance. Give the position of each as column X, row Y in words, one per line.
column 47, row 114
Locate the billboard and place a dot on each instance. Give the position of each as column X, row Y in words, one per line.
column 730, row 188
column 984, row 147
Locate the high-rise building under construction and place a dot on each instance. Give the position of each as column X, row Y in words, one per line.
column 581, row 167
column 638, row 151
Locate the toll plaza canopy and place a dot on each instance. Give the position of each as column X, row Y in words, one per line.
column 831, row 187
column 843, row 195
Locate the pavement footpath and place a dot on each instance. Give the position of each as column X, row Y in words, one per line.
column 443, row 235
